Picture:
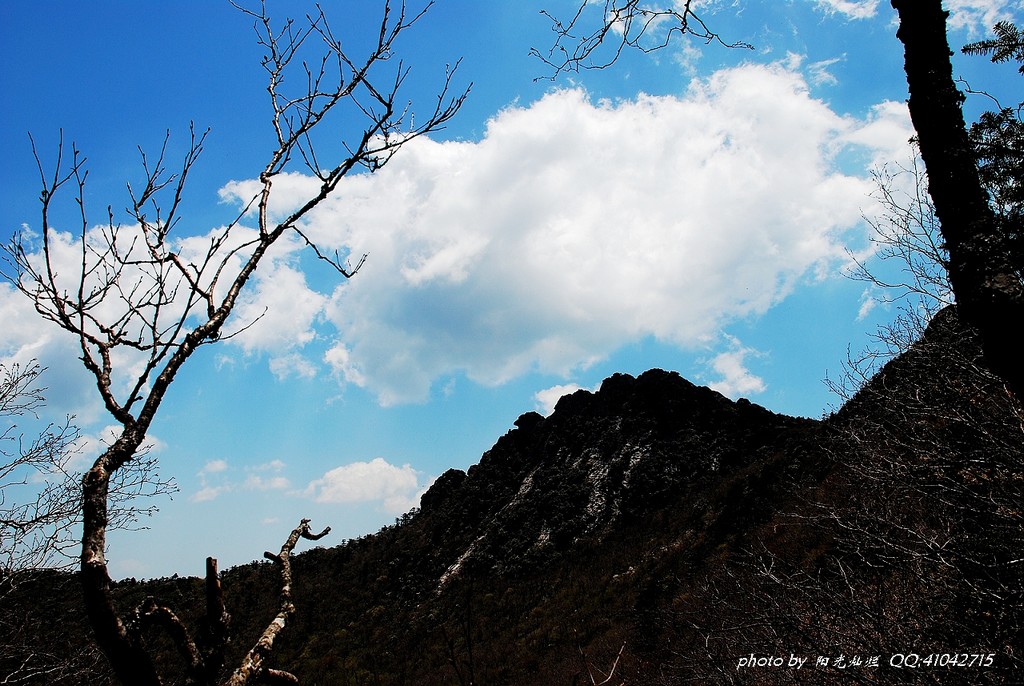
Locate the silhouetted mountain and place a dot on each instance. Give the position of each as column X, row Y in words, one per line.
column 661, row 529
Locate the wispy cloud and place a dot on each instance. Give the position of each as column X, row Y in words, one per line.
column 217, row 478
column 852, row 9
column 979, row 16
column 208, row 491
column 974, row 16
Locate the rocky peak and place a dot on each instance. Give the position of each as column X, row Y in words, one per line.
column 636, row 445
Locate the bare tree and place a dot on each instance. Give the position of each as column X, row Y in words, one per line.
column 913, row 536
column 39, row 499
column 39, row 506
column 141, row 302
column 40, row 494
column 907, row 238
column 907, row 234
column 204, row 656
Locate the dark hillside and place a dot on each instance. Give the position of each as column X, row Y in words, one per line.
column 661, row 528
column 910, row 544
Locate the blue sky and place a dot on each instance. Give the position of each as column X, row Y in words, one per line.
column 689, row 209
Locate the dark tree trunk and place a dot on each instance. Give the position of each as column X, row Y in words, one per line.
column 128, row 658
column 987, row 285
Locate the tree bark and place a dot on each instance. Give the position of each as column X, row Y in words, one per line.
column 253, row 665
column 986, row 282
column 128, row 657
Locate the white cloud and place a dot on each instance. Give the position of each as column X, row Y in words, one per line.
column 884, row 134
column 284, row 309
column 576, row 227
column 255, row 482
column 25, row 336
column 209, row 491
column 215, row 479
column 214, row 467
column 88, row 446
column 867, row 304
column 278, row 299
column 853, row 9
column 397, row 488
column 276, row 314
column 736, row 380
column 266, row 477
column 819, row 73
column 979, row 16
column 547, row 399
column 571, row 229
column 285, row 186
column 292, row 364
column 974, row 16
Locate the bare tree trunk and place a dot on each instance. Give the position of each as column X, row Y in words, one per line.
column 988, row 287
column 128, row 657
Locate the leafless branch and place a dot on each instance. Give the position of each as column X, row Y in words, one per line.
column 253, row 663
column 908, row 265
column 625, row 24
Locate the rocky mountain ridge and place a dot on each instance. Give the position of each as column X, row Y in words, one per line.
column 655, row 532
column 600, row 459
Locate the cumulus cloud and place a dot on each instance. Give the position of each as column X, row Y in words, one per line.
column 736, row 380
column 283, row 307
column 572, row 228
column 575, row 227
column 397, row 488
column 287, row 185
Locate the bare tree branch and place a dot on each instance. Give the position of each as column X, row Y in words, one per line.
column 625, row 24
column 253, row 663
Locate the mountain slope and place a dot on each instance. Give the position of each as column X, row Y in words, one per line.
column 601, row 460
column 661, row 529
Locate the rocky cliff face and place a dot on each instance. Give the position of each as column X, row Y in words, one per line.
column 600, row 460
